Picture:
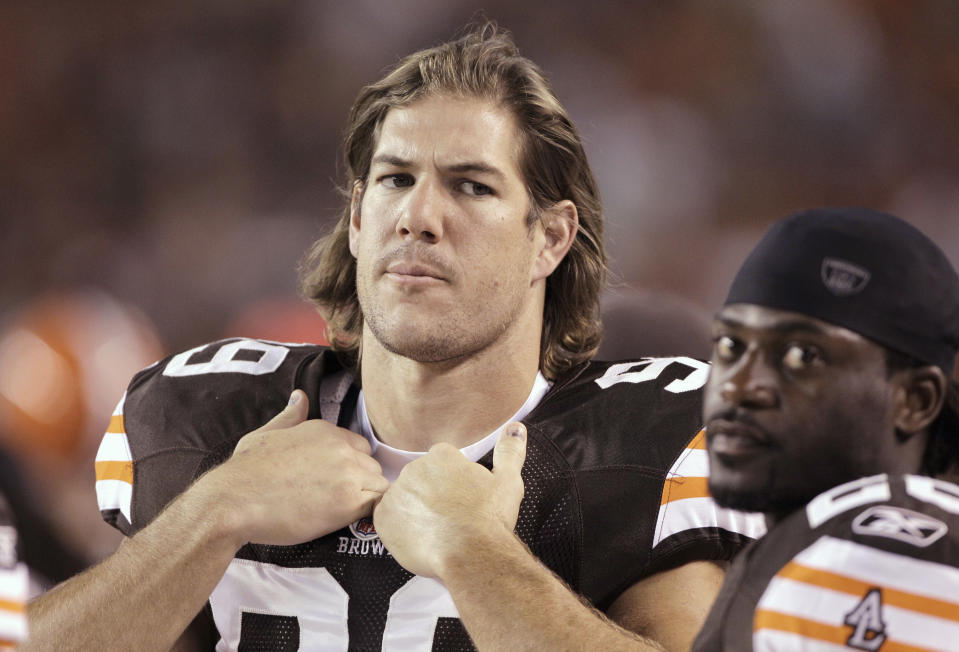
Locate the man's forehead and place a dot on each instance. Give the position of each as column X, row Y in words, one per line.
column 452, row 130
column 755, row 317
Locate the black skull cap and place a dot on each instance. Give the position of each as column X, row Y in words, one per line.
column 867, row 271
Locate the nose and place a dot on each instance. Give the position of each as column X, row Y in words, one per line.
column 750, row 382
column 423, row 211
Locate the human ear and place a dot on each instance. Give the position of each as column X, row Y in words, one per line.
column 560, row 224
column 921, row 395
column 355, row 199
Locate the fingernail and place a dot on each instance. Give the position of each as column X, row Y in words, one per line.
column 294, row 398
column 516, row 430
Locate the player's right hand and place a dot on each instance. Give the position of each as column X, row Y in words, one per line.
column 293, row 480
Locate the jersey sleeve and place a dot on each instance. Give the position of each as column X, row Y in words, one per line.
column 154, row 447
column 13, row 583
column 689, row 523
column 631, row 433
column 184, row 414
column 114, row 472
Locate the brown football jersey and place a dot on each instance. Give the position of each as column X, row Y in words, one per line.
column 615, row 479
column 872, row 564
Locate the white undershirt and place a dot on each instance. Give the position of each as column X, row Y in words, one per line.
column 392, row 460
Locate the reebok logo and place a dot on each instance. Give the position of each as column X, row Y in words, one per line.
column 843, row 278
column 900, row 524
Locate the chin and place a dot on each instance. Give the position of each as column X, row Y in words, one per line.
column 747, row 490
column 426, row 349
column 743, row 499
column 769, row 500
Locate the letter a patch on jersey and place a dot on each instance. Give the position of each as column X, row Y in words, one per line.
column 869, row 630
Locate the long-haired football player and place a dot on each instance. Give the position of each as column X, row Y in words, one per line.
column 460, row 286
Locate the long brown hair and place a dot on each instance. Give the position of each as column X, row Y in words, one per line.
column 484, row 63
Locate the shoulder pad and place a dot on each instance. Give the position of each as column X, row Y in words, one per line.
column 617, row 412
column 185, row 413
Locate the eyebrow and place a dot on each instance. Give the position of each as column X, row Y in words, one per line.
column 458, row 168
column 481, row 168
column 389, row 159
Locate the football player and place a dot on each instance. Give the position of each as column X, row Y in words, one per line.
column 830, row 408
column 461, row 288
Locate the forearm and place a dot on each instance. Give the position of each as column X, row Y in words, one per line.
column 507, row 599
column 144, row 595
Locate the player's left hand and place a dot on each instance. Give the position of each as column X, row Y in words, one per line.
column 442, row 504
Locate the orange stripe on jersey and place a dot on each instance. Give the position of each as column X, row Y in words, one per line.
column 781, row 622
column 893, row 597
column 764, row 619
column 699, row 441
column 15, row 607
column 116, row 424
column 113, row 470
column 686, row 487
column 680, row 488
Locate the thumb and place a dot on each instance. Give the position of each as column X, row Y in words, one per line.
column 510, row 451
column 293, row 414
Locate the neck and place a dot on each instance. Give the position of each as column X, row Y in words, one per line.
column 413, row 405
column 905, row 457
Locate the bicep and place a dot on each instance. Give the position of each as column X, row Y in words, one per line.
column 671, row 606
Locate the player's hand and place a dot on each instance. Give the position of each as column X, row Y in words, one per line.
column 293, row 480
column 442, row 504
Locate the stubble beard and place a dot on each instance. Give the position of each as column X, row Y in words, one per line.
column 756, row 497
column 440, row 337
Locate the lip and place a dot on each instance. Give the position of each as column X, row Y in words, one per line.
column 412, row 272
column 730, row 439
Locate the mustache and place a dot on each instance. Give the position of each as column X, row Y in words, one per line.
column 414, row 254
column 735, row 416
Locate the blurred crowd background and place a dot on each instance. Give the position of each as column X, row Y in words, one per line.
column 165, row 164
